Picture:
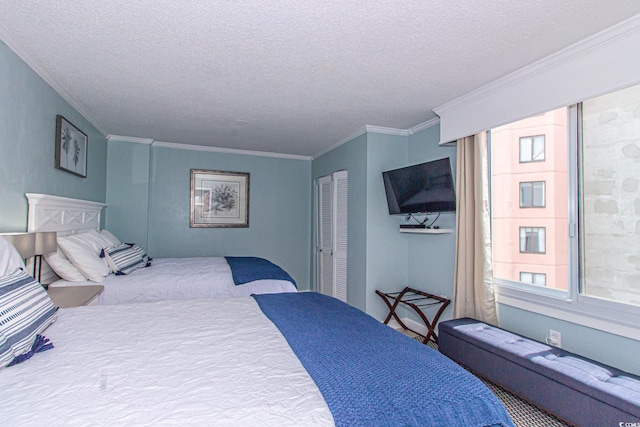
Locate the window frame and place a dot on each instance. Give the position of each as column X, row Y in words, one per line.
column 604, row 315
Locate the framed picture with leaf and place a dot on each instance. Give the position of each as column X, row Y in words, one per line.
column 219, row 199
column 71, row 148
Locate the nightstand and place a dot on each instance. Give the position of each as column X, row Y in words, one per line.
column 74, row 296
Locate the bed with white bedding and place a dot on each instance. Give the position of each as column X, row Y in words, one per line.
column 233, row 362
column 180, row 278
column 80, row 260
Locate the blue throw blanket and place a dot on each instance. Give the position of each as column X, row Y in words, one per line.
column 370, row 375
column 246, row 269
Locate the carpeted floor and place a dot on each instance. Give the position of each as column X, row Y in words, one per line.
column 522, row 413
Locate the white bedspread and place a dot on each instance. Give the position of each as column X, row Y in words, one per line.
column 180, row 278
column 199, row 362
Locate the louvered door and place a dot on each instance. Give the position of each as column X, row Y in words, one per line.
column 332, row 193
column 340, row 192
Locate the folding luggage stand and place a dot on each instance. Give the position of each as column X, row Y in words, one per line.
column 418, row 301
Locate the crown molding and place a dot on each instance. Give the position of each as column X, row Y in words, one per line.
column 379, row 129
column 44, row 75
column 133, row 139
column 360, row 131
column 227, row 150
column 424, row 125
column 385, row 130
column 583, row 47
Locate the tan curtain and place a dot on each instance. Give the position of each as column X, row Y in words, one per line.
column 473, row 278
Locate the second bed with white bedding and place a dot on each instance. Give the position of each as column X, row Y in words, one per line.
column 99, row 372
column 180, row 278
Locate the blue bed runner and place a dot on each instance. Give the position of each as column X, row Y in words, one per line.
column 370, row 375
column 246, row 269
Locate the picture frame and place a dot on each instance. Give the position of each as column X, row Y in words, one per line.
column 219, row 199
column 71, row 148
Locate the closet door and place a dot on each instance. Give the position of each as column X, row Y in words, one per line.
column 340, row 193
column 324, row 236
column 332, row 235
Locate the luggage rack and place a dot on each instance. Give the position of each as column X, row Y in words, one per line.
column 418, row 301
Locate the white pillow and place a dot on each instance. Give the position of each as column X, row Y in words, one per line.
column 9, row 258
column 83, row 250
column 113, row 240
column 61, row 265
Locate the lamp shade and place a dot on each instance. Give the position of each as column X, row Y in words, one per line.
column 46, row 242
column 25, row 243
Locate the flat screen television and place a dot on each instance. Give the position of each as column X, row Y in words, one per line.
column 422, row 188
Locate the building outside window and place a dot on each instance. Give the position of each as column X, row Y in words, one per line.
column 518, row 183
column 532, row 194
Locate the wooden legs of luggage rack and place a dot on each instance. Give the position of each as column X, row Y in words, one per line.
column 418, row 301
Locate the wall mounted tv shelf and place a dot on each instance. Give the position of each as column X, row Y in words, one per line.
column 427, row 230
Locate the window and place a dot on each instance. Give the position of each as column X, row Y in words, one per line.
column 532, row 240
column 532, row 194
column 539, row 279
column 586, row 267
column 610, row 198
column 532, row 148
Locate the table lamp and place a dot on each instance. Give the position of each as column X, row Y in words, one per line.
column 25, row 243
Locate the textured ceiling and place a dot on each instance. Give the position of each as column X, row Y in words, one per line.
column 290, row 77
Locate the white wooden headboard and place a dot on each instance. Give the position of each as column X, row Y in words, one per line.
column 62, row 215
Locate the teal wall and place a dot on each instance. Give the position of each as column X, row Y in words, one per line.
column 149, row 192
column 386, row 246
column 128, row 191
column 352, row 157
column 28, row 109
column 431, row 257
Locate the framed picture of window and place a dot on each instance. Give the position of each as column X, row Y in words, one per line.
column 71, row 148
column 219, row 199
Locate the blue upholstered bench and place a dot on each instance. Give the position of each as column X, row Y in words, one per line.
column 575, row 389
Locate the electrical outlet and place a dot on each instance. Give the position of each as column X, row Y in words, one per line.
column 555, row 338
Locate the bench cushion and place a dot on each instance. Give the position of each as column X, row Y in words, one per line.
column 517, row 363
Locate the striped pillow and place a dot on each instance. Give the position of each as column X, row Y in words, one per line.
column 125, row 258
column 25, row 311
